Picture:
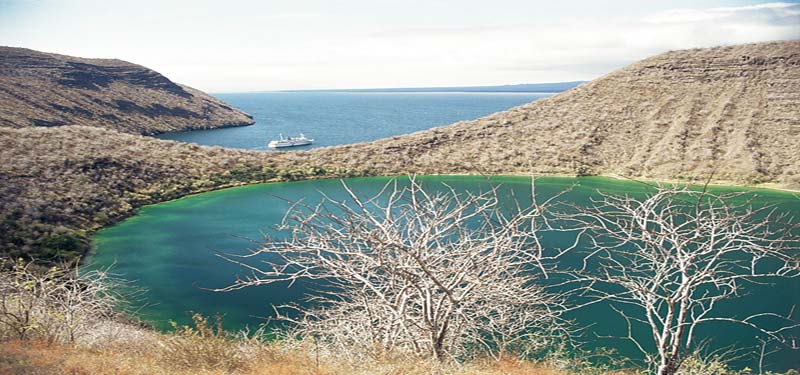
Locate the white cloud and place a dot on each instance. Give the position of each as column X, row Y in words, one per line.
column 282, row 44
column 586, row 48
column 774, row 11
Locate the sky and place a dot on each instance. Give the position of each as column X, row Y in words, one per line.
column 251, row 45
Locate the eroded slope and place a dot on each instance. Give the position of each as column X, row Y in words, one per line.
column 42, row 89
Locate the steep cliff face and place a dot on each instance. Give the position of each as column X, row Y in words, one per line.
column 42, row 89
column 733, row 112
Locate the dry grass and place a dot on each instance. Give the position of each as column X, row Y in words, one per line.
column 125, row 349
column 38, row 358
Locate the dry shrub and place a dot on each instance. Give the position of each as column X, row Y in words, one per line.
column 696, row 365
column 56, row 305
column 208, row 346
column 416, row 271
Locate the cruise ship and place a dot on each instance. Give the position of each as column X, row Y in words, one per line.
column 290, row 141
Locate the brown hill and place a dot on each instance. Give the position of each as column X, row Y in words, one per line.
column 59, row 184
column 43, row 89
column 731, row 111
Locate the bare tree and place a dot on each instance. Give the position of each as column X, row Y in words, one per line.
column 666, row 261
column 23, row 298
column 57, row 304
column 442, row 275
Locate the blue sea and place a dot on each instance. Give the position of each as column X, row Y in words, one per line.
column 335, row 118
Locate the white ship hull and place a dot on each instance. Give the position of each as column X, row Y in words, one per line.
column 290, row 142
column 279, row 144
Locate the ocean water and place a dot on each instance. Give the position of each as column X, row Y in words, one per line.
column 335, row 118
column 171, row 249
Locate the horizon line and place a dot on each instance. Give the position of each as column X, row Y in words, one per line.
column 504, row 88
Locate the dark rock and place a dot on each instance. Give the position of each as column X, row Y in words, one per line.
column 46, row 123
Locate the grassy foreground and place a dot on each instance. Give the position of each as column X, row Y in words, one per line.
column 41, row 358
column 125, row 349
column 50, row 324
column 64, row 321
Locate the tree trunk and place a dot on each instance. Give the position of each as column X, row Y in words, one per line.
column 438, row 344
column 667, row 367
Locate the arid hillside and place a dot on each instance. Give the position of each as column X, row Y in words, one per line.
column 42, row 89
column 59, row 184
column 731, row 111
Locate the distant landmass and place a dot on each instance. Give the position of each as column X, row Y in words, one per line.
column 525, row 87
column 50, row 90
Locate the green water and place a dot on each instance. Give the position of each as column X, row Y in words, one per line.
column 170, row 249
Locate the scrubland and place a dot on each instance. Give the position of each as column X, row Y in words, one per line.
column 59, row 184
column 729, row 114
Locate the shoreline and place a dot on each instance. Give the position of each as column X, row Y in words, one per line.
column 191, row 129
column 715, row 183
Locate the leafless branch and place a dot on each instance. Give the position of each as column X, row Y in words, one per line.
column 437, row 273
column 667, row 260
